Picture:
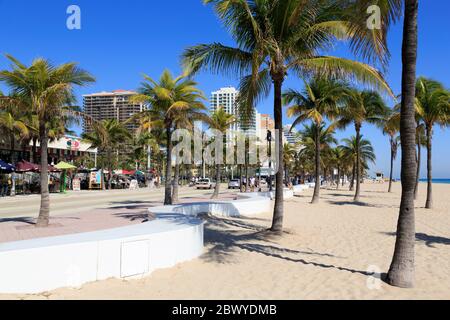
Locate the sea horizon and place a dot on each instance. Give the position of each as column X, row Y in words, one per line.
column 442, row 181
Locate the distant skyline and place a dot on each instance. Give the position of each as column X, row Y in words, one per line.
column 120, row 41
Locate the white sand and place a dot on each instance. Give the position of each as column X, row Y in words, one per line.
column 324, row 255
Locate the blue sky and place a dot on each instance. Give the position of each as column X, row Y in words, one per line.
column 120, row 40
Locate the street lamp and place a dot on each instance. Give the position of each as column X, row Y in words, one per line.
column 269, row 141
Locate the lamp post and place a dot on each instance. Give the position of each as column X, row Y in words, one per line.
column 269, row 141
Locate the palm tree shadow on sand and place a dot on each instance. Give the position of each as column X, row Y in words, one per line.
column 227, row 236
column 429, row 240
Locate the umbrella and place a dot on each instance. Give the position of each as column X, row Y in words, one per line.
column 65, row 166
column 6, row 166
column 25, row 166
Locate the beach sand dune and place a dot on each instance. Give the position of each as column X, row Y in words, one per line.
column 328, row 251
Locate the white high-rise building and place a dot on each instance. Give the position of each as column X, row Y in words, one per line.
column 226, row 98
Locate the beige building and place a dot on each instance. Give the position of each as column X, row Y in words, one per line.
column 111, row 105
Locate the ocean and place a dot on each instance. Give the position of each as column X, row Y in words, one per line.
column 444, row 181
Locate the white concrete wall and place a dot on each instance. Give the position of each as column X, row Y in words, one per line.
column 44, row 264
column 40, row 265
column 249, row 204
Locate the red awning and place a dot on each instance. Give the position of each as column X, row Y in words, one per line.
column 25, row 166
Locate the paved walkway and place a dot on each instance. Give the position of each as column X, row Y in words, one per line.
column 85, row 212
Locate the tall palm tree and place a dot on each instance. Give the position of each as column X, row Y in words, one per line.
column 108, row 136
column 167, row 98
column 318, row 138
column 391, row 128
column 433, row 107
column 277, row 36
column 361, row 107
column 401, row 271
column 319, row 100
column 48, row 88
column 355, row 147
column 220, row 121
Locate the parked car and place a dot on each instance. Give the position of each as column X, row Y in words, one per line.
column 234, row 184
column 205, row 184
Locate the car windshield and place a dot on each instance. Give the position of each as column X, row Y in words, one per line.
column 234, row 180
column 203, row 180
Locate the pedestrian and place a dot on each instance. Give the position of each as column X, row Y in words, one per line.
column 3, row 185
column 252, row 184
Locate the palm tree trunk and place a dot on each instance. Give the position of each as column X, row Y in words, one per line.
column 401, row 271
column 217, row 187
column 352, row 182
column 13, row 177
column 241, row 183
column 392, row 167
column 358, row 163
column 44, row 211
column 176, row 184
column 277, row 222
column 316, row 195
column 429, row 203
column 33, row 151
column 419, row 160
column 338, row 178
column 168, row 183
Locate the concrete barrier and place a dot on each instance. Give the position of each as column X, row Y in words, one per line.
column 176, row 235
column 247, row 204
column 44, row 264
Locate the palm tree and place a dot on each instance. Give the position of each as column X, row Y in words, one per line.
column 401, row 271
column 274, row 37
column 339, row 159
column 167, row 99
column 289, row 154
column 107, row 136
column 317, row 139
column 361, row 107
column 220, row 121
column 13, row 127
column 421, row 142
column 320, row 99
column 355, row 147
column 391, row 128
column 433, row 107
column 48, row 88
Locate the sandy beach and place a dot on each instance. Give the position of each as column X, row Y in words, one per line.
column 328, row 251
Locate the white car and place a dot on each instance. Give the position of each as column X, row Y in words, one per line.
column 234, row 184
column 205, row 184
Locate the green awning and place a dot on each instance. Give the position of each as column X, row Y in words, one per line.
column 64, row 166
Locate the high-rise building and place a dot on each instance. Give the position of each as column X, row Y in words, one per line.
column 291, row 134
column 111, row 105
column 226, row 98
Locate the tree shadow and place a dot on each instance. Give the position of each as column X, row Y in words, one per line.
column 26, row 220
column 144, row 216
column 429, row 240
column 130, row 205
column 225, row 242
